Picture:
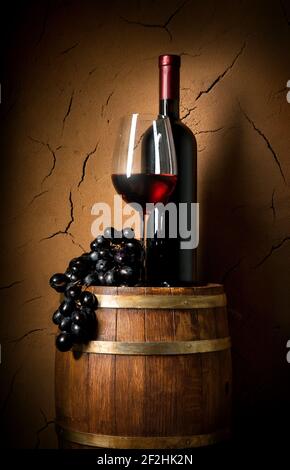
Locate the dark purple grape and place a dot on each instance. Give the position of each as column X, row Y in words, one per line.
column 73, row 277
column 64, row 342
column 86, row 256
column 94, row 246
column 105, row 253
column 80, row 317
column 67, row 307
column 91, row 280
column 68, row 273
column 76, row 329
column 112, row 277
column 127, row 274
column 78, row 263
column 87, row 311
column 133, row 246
column 78, row 332
column 128, row 232
column 94, row 256
column 76, row 270
column 87, row 299
column 71, row 263
column 109, row 232
column 65, row 324
column 57, row 317
column 58, row 282
column 73, row 292
column 103, row 265
column 81, row 266
column 99, row 242
column 120, row 256
column 101, row 277
column 112, row 233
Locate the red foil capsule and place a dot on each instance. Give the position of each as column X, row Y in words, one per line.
column 169, row 76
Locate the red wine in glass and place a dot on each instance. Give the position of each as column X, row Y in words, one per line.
column 144, row 188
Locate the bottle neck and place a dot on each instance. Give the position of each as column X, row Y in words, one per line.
column 169, row 108
column 169, row 84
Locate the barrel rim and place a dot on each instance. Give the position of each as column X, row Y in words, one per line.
column 213, row 288
column 141, row 442
column 157, row 348
column 140, row 301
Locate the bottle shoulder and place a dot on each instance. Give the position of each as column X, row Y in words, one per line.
column 183, row 128
column 182, row 133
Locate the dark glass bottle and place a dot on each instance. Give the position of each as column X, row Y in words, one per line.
column 167, row 261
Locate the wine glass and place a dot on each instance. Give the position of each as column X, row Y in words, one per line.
column 144, row 164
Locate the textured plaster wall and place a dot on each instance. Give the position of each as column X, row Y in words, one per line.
column 71, row 68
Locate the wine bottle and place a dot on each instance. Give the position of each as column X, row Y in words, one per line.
column 167, row 260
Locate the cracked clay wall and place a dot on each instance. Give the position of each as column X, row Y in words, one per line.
column 71, row 68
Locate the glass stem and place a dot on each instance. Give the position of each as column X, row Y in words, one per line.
column 144, row 223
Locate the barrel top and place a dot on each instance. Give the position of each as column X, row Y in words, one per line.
column 208, row 289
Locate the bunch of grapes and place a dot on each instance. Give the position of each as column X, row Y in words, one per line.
column 75, row 317
column 116, row 259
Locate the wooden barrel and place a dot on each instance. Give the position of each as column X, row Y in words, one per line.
column 158, row 374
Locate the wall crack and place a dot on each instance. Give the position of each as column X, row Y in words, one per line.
column 68, row 110
column 53, row 154
column 40, row 430
column 266, row 140
column 68, row 226
column 159, row 25
column 85, row 164
column 273, row 249
column 188, row 112
column 272, row 207
column 210, row 131
column 32, row 300
column 107, row 102
column 222, row 75
column 14, row 283
column 69, row 49
column 17, row 340
column 37, row 196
